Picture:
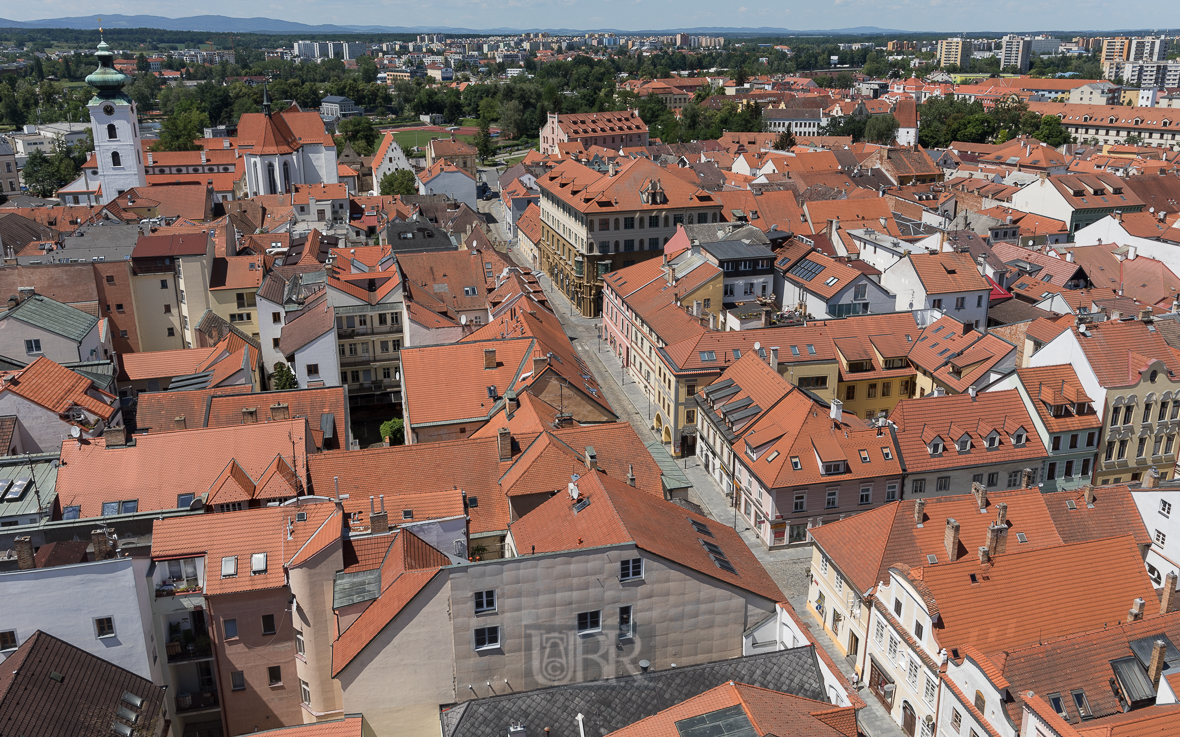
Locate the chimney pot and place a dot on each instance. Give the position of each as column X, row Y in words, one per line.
column 504, row 443
column 489, row 358
column 24, row 553
column 1136, row 612
column 951, row 539
column 1169, row 593
column 919, row 512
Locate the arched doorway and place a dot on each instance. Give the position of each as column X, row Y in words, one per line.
column 909, row 720
column 667, row 437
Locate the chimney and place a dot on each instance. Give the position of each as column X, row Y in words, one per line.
column 980, row 492
column 1151, row 480
column 203, row 160
column 179, row 422
column 765, row 317
column 504, row 443
column 1088, row 492
column 972, row 391
column 378, row 521
column 1169, row 593
column 1146, row 315
column 489, row 358
column 149, row 158
column 539, row 364
column 249, row 415
column 280, row 411
column 696, row 308
column 1002, row 514
column 712, row 321
column 115, row 437
column 774, row 359
column 1155, row 668
column 997, row 539
column 837, row 410
column 102, row 544
column 919, row 512
column 1136, row 612
column 951, row 539
column 982, row 265
column 24, row 553
column 1069, row 257
column 511, row 401
column 984, row 555
column 591, row 458
column 1026, row 477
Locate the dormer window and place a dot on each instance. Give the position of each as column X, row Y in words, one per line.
column 795, row 464
column 1018, row 437
column 834, row 468
column 993, row 440
column 936, row 447
column 964, row 444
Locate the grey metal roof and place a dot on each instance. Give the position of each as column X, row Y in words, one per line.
column 105, row 240
column 728, row 250
column 613, row 703
column 1144, row 645
column 42, row 469
column 102, row 373
column 1133, row 679
column 671, row 475
column 53, row 316
column 351, row 588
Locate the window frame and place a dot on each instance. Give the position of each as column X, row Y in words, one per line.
column 270, row 676
column 490, row 636
column 592, row 623
column 480, row 601
column 273, row 625
column 628, row 567
column 99, row 628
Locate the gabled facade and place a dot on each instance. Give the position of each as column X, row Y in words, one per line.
column 950, row 282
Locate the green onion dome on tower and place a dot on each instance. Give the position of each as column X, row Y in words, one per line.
column 106, row 80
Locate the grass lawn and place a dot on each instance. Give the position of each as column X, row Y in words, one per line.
column 408, row 139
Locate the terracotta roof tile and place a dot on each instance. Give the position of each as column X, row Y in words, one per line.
column 1112, row 513
column 617, row 514
column 58, row 389
column 1025, row 582
column 1119, row 351
column 1059, row 386
column 161, row 364
column 190, row 460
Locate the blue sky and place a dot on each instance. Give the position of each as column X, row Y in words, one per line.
column 914, row 15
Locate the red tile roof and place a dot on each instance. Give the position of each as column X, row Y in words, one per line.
column 58, row 389
column 161, row 364
column 1040, row 585
column 410, row 564
column 617, row 514
column 1120, row 351
column 946, row 272
column 952, row 416
column 191, row 461
column 1059, row 386
column 352, row 725
column 273, row 531
column 769, row 712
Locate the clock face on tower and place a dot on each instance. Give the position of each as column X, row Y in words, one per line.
column 108, row 109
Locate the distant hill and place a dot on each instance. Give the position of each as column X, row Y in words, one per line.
column 226, row 24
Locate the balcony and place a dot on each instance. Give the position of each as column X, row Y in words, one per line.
column 344, row 333
column 190, row 702
column 180, row 587
column 187, row 648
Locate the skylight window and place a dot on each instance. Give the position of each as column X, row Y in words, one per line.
column 700, row 527
column 830, row 281
column 257, row 563
column 708, row 356
column 795, row 464
column 229, row 566
column 1021, row 537
column 794, row 350
column 810, row 349
column 772, row 456
column 888, row 453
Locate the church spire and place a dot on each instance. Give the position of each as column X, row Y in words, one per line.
column 106, row 80
column 265, row 99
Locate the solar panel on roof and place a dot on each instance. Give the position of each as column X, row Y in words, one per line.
column 806, row 270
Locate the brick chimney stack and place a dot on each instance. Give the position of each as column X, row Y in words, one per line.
column 540, row 363
column 378, row 521
column 984, row 555
column 1151, row 480
column 1026, row 478
column 980, row 492
column 504, row 443
column 631, row 474
column 1136, row 612
column 489, row 358
column 919, row 512
column 280, row 411
column 1155, row 668
column 951, row 539
column 103, row 549
column 1169, row 593
column 180, row 424
column 24, row 553
column 998, row 544
column 1002, row 514
column 1088, row 492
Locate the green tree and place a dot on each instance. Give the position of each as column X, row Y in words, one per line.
column 179, row 132
column 785, row 140
column 881, row 129
column 141, row 65
column 399, row 182
column 844, row 81
column 359, row 131
column 483, row 141
column 740, row 76
column 282, row 378
column 394, row 430
column 41, row 174
column 367, row 68
column 1052, row 132
column 511, row 120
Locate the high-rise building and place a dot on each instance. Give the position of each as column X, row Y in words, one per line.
column 1016, row 52
column 1148, row 49
column 954, row 52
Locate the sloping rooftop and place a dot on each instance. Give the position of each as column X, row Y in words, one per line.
column 53, row 316
column 613, row 703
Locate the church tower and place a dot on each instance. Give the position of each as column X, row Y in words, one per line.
column 116, row 129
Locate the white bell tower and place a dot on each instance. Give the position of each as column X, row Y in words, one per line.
column 115, row 126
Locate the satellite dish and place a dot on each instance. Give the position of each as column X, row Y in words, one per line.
column 757, row 345
column 463, row 319
column 75, row 432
